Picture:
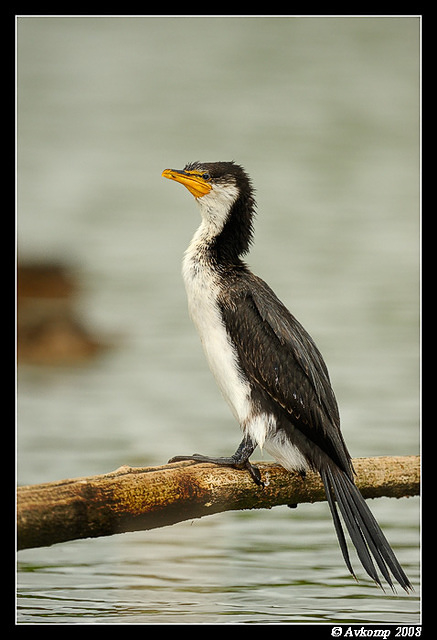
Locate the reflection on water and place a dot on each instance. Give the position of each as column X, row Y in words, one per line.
column 323, row 113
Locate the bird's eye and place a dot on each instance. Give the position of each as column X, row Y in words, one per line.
column 206, row 176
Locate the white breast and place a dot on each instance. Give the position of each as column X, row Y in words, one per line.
column 201, row 283
column 202, row 292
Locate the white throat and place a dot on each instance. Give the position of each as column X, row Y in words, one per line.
column 214, row 209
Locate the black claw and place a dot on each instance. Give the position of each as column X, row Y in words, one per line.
column 255, row 474
column 195, row 457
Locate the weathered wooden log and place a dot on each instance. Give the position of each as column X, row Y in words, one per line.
column 132, row 499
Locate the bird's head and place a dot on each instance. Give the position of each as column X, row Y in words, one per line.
column 224, row 193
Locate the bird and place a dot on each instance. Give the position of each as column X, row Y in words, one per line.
column 267, row 366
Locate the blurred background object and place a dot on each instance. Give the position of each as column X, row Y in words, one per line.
column 49, row 329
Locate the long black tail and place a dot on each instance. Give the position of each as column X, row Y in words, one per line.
column 365, row 532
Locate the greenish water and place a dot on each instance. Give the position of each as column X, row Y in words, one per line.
column 324, row 115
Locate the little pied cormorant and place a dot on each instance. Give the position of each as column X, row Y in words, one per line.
column 265, row 363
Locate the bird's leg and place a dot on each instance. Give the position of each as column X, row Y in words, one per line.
column 240, row 459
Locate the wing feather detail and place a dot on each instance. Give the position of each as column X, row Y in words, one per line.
column 278, row 355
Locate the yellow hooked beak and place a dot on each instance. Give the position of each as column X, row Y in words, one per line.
column 193, row 180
